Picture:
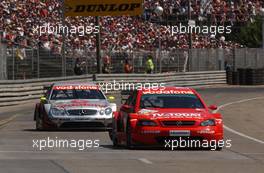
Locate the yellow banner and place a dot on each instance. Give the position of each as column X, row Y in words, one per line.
column 103, row 7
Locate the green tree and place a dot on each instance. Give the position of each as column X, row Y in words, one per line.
column 251, row 34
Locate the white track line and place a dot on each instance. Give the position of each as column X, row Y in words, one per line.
column 234, row 131
column 243, row 135
column 7, row 120
column 146, row 161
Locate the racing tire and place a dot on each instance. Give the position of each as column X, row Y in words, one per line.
column 110, row 134
column 115, row 141
column 129, row 142
column 39, row 122
column 113, row 136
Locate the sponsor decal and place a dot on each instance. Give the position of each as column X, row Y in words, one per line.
column 79, row 101
column 103, row 8
column 180, row 133
column 150, row 132
column 80, row 105
column 77, row 87
column 177, row 115
column 168, row 92
column 207, row 131
column 146, row 111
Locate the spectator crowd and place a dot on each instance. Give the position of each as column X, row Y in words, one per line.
column 18, row 18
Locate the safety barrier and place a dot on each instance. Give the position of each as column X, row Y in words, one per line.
column 20, row 91
column 246, row 76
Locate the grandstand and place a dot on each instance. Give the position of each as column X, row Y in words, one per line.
column 18, row 18
column 124, row 34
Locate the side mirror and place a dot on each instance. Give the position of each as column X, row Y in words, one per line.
column 43, row 99
column 213, row 107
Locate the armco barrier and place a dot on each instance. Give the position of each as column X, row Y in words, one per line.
column 246, row 76
column 20, row 91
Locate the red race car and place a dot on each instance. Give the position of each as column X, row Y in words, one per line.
column 164, row 116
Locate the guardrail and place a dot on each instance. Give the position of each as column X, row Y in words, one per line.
column 20, row 91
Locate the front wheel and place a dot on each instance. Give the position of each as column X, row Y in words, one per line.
column 39, row 123
column 110, row 134
column 113, row 135
column 129, row 142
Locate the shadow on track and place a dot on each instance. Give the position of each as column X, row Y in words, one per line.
column 153, row 148
column 64, row 130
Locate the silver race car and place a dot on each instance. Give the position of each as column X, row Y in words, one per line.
column 74, row 106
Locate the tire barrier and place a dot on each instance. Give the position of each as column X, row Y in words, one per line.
column 242, row 75
column 245, row 76
column 235, row 79
column 229, row 77
column 255, row 76
column 232, row 78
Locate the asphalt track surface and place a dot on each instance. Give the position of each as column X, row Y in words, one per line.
column 243, row 112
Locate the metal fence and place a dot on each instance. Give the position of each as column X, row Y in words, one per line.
column 248, row 58
column 164, row 61
column 209, row 59
column 3, row 56
column 41, row 63
column 21, row 63
column 26, row 63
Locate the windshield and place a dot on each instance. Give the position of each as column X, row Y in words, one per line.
column 76, row 94
column 170, row 101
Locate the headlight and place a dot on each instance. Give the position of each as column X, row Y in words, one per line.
column 57, row 112
column 146, row 123
column 210, row 122
column 101, row 112
column 108, row 111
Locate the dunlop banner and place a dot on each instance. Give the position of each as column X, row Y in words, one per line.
column 103, row 7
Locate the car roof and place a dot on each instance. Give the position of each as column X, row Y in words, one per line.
column 74, row 84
